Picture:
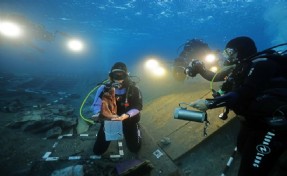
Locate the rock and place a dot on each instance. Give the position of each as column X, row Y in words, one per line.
column 63, row 110
column 67, row 112
column 24, row 118
column 54, row 132
column 12, row 106
column 55, row 111
column 37, row 126
column 65, row 122
column 42, row 120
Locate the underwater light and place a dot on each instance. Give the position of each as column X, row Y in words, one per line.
column 10, row 29
column 210, row 58
column 154, row 67
column 151, row 64
column 75, row 45
column 159, row 71
column 213, row 69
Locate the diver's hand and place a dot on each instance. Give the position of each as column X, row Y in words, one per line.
column 194, row 68
column 200, row 104
column 122, row 117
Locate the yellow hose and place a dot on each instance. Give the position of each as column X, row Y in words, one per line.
column 84, row 101
column 211, row 82
column 220, row 70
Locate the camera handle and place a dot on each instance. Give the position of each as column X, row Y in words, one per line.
column 183, row 103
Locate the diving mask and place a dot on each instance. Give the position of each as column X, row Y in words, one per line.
column 118, row 75
column 231, row 56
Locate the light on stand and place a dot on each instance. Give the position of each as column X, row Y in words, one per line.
column 75, row 45
column 10, row 29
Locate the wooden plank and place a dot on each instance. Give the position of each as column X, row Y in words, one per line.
column 157, row 117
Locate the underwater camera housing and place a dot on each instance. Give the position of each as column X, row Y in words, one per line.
column 181, row 69
column 184, row 114
column 193, row 68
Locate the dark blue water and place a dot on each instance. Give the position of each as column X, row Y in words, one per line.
column 130, row 30
column 111, row 30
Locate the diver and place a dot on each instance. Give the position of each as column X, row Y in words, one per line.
column 257, row 93
column 192, row 50
column 128, row 104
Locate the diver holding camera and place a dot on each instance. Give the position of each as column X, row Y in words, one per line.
column 256, row 90
column 195, row 53
column 197, row 67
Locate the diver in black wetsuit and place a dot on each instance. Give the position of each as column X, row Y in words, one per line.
column 193, row 49
column 256, row 90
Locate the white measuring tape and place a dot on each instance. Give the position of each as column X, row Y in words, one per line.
column 47, row 155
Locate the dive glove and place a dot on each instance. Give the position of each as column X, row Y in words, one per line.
column 200, row 104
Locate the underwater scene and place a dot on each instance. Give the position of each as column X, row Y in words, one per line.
column 143, row 60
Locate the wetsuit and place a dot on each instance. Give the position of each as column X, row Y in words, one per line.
column 129, row 101
column 259, row 96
